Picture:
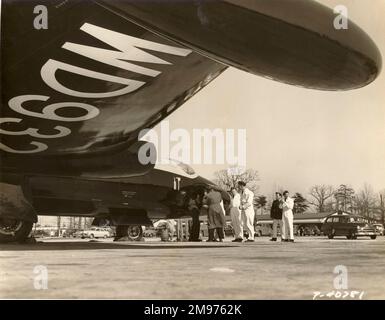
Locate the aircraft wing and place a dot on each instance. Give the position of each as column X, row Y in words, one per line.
column 104, row 70
column 90, row 82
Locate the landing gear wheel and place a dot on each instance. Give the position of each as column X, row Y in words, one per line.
column 132, row 233
column 13, row 230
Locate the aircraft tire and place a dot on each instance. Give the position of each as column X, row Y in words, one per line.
column 13, row 230
column 131, row 232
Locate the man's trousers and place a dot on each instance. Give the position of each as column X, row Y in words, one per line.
column 236, row 220
column 287, row 225
column 276, row 222
column 248, row 216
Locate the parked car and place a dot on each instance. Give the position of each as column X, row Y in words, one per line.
column 309, row 230
column 264, row 229
column 95, row 233
column 40, row 233
column 348, row 225
column 78, row 233
column 380, row 230
column 69, row 233
column 149, row 233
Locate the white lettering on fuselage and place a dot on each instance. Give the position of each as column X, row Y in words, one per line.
column 129, row 49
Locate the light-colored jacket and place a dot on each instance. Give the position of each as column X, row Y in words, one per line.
column 247, row 200
column 287, row 205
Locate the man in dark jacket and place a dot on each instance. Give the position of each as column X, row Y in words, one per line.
column 276, row 215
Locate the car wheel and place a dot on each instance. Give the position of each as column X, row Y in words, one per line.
column 330, row 236
column 92, row 236
column 353, row 236
column 373, row 237
column 14, row 230
column 105, row 236
column 349, row 237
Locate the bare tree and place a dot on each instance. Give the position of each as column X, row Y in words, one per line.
column 58, row 223
column 228, row 179
column 320, row 194
column 344, row 196
column 366, row 201
column 382, row 205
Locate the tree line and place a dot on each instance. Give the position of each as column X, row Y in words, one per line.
column 320, row 197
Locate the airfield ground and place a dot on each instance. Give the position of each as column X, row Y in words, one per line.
column 156, row 270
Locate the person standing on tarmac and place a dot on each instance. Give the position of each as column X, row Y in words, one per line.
column 247, row 209
column 216, row 216
column 276, row 215
column 236, row 217
column 287, row 204
column 193, row 208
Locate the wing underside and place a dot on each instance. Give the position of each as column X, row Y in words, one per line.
column 90, row 82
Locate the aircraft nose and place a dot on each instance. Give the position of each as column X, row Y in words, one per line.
column 307, row 44
column 352, row 59
column 371, row 61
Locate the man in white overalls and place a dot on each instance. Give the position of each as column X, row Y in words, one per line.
column 287, row 218
column 247, row 210
column 236, row 215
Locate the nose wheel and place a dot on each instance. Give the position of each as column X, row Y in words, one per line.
column 130, row 233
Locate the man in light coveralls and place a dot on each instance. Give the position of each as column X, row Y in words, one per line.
column 287, row 204
column 247, row 209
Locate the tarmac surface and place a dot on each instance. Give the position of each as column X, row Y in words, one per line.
column 100, row 269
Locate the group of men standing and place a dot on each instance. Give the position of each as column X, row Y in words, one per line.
column 242, row 214
column 241, row 211
column 282, row 214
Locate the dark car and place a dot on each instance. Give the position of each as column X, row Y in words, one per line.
column 349, row 225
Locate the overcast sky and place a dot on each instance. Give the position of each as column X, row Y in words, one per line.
column 299, row 137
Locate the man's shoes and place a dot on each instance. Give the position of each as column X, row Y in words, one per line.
column 237, row 240
column 284, row 240
column 290, row 240
column 249, row 240
column 273, row 239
